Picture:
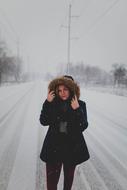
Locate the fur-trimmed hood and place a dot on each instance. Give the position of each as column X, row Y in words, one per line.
column 70, row 84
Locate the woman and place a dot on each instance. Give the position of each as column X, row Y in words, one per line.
column 64, row 143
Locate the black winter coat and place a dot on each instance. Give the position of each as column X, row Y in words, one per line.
column 67, row 147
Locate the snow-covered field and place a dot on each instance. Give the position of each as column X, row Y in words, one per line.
column 120, row 91
column 21, row 138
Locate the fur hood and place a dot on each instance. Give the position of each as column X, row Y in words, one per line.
column 70, row 84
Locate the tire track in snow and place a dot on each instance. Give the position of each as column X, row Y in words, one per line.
column 41, row 168
column 26, row 157
column 116, row 146
column 13, row 90
column 9, row 115
column 109, row 171
column 10, row 105
column 109, row 118
column 14, row 119
column 109, row 128
column 121, row 169
column 81, row 182
column 114, row 105
column 92, row 176
column 10, row 142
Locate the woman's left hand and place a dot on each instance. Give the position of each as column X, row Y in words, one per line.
column 74, row 103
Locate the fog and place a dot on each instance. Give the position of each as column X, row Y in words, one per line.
column 34, row 48
column 22, row 135
column 37, row 31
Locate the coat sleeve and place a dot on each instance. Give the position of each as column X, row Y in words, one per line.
column 81, row 116
column 46, row 113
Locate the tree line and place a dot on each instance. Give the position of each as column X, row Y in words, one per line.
column 11, row 70
column 94, row 75
column 10, row 66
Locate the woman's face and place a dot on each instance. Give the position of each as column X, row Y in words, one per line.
column 63, row 92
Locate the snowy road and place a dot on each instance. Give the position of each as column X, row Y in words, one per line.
column 21, row 138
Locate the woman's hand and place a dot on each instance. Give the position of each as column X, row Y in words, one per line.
column 50, row 96
column 74, row 103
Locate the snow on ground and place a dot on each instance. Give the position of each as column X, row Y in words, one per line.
column 118, row 90
column 21, row 138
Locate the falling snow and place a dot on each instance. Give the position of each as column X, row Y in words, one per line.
column 21, row 138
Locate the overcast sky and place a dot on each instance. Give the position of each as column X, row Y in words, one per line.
column 101, row 29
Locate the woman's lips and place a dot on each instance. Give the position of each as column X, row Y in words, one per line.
column 63, row 96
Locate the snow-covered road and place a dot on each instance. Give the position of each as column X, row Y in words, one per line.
column 21, row 138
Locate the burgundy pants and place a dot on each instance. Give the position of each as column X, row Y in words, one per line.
column 53, row 174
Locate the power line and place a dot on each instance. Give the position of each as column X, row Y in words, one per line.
column 16, row 39
column 89, row 28
column 68, row 27
column 7, row 32
column 82, row 12
column 66, row 15
column 9, row 23
column 101, row 17
column 72, row 2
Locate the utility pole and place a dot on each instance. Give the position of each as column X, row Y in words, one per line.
column 17, row 44
column 69, row 39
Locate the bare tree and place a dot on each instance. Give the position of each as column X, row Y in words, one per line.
column 119, row 72
column 9, row 65
column 2, row 56
column 87, row 74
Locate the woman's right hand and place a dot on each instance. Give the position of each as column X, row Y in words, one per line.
column 50, row 96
